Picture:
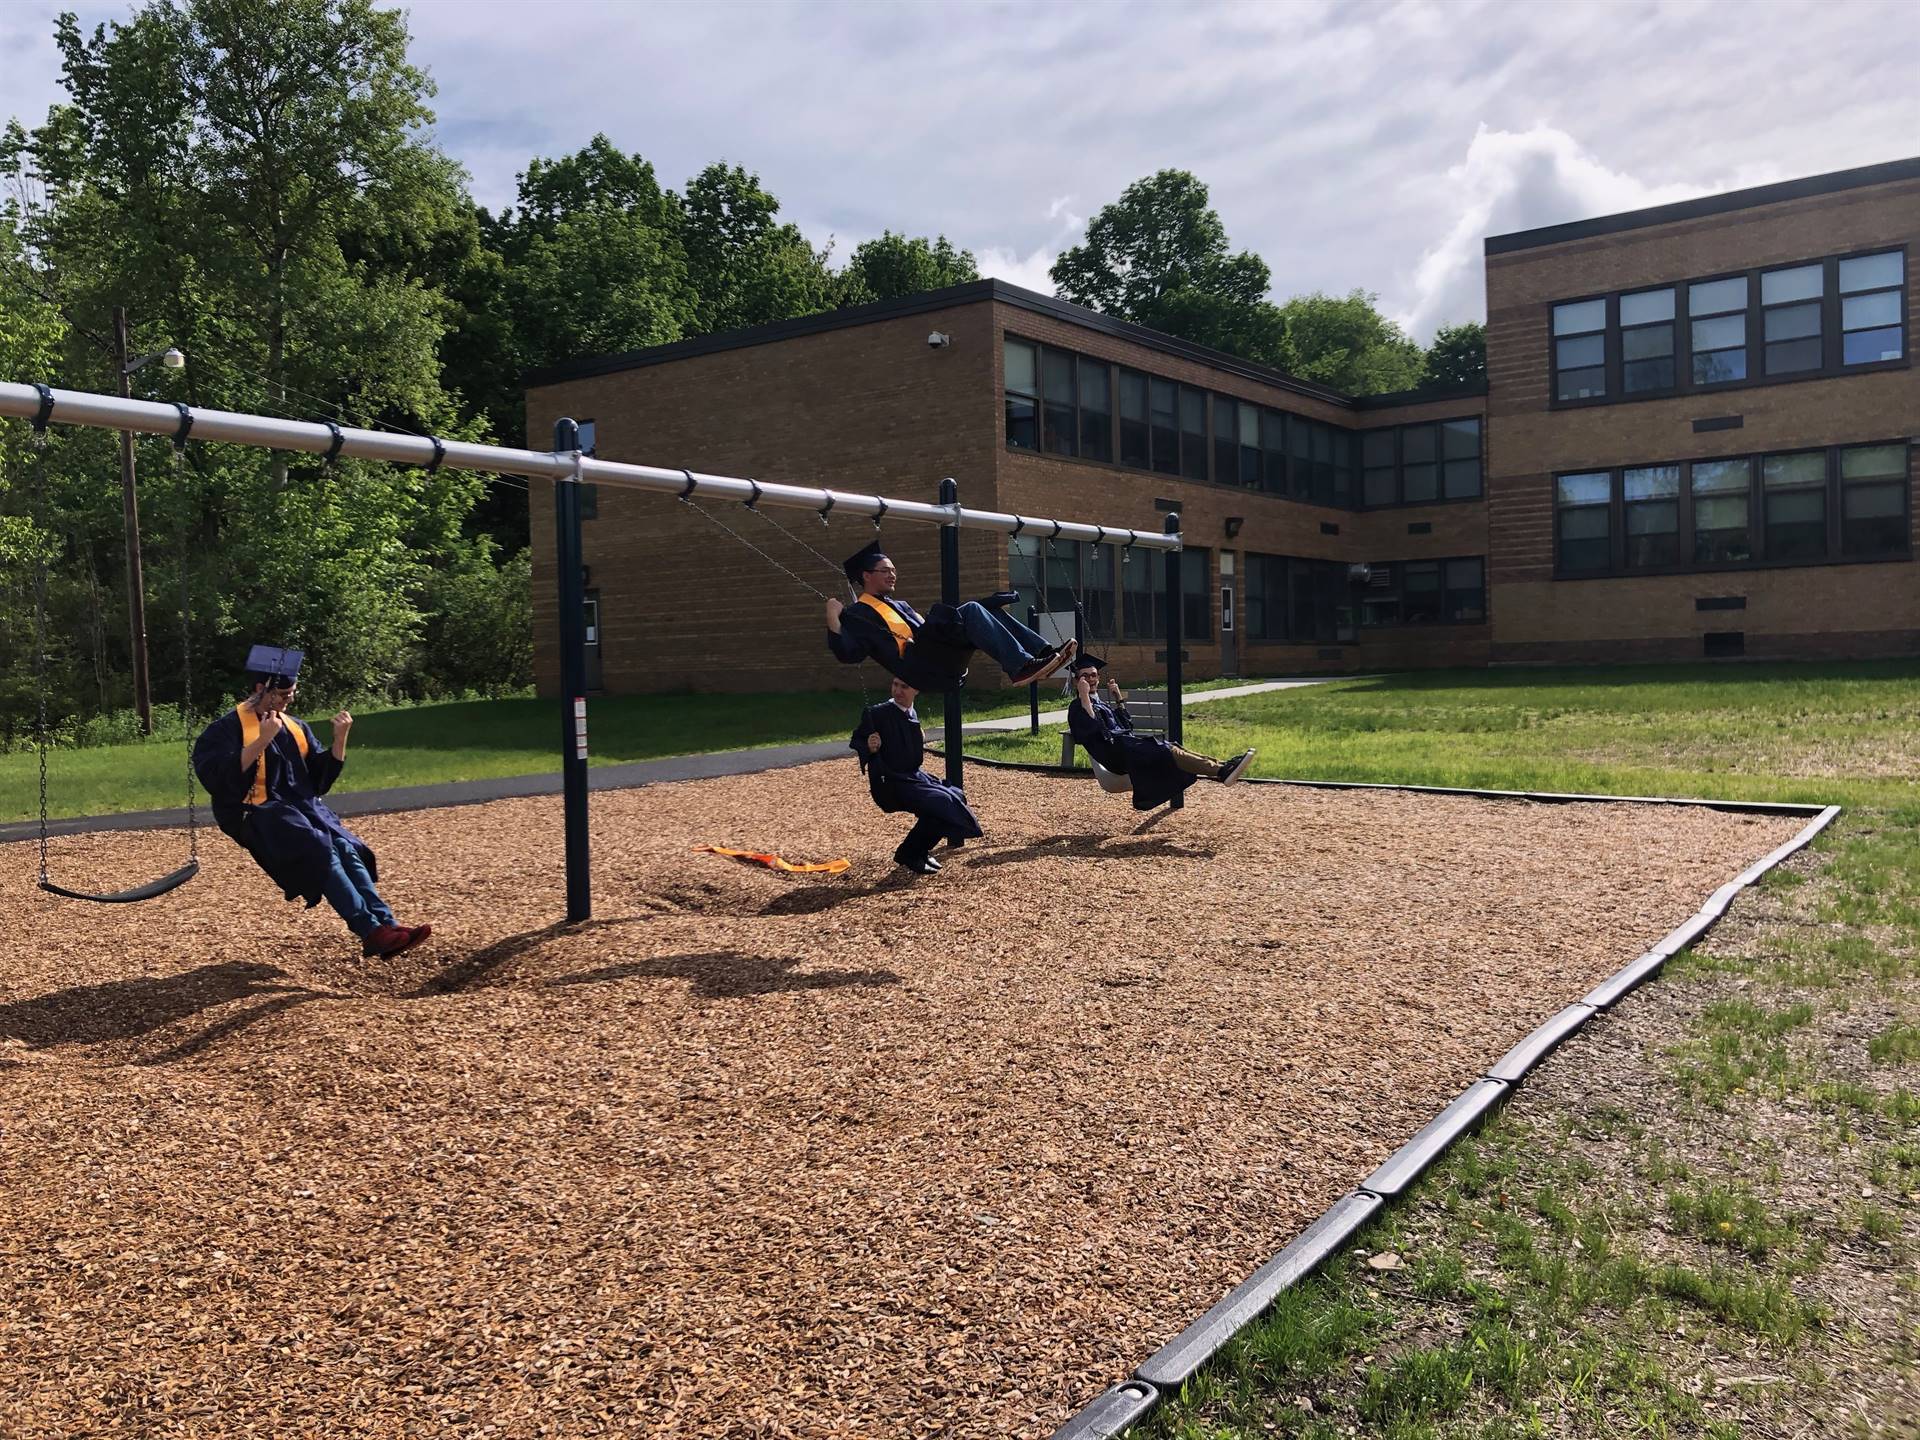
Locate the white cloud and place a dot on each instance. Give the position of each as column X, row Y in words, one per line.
column 1027, row 271
column 1515, row 181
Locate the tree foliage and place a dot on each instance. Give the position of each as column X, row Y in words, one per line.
column 1458, row 355
column 1158, row 257
column 1345, row 342
column 897, row 265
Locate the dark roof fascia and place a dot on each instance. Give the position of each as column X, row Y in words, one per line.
column 1885, row 174
column 1423, row 395
column 971, row 293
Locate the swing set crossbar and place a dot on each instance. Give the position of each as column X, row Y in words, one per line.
column 110, row 412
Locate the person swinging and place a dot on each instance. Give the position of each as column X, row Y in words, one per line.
column 1159, row 769
column 266, row 771
column 931, row 653
column 892, row 749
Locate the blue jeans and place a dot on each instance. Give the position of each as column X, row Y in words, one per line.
column 349, row 889
column 1009, row 642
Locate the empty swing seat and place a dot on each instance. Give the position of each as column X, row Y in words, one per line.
column 127, row 897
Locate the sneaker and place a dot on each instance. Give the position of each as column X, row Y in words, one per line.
column 1045, row 665
column 933, row 862
column 415, row 934
column 1000, row 599
column 1236, row 768
column 385, row 940
column 925, row 865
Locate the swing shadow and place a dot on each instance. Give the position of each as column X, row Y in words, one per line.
column 729, row 975
column 1097, row 847
column 123, row 1010
column 817, row 899
column 469, row 971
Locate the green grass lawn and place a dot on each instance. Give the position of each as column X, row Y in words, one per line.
column 1843, row 732
column 1837, row 732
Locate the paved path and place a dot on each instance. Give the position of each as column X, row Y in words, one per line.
column 1192, row 697
column 600, row 777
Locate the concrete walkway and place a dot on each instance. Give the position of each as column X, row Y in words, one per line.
column 1190, row 698
column 600, row 777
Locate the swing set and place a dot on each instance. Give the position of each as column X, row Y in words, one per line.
column 568, row 468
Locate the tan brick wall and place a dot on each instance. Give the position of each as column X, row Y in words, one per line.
column 873, row 409
column 1536, row 617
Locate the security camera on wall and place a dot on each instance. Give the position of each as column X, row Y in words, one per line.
column 939, row 340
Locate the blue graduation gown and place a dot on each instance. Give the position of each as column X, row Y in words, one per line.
column 1107, row 735
column 935, row 659
column 290, row 836
column 897, row 782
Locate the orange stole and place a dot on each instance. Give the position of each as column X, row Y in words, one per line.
column 896, row 623
column 250, row 732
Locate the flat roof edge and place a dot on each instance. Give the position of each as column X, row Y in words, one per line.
column 1890, row 172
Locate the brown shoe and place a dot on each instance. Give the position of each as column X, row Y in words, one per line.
column 1043, row 667
column 415, row 935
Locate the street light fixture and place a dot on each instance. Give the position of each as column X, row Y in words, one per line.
column 170, row 359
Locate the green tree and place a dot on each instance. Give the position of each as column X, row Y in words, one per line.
column 896, row 265
column 745, row 267
column 254, row 182
column 1344, row 342
column 1158, row 256
column 1458, row 355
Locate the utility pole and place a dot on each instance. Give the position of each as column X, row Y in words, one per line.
column 130, row 515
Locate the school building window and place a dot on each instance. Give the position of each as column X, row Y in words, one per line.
column 1810, row 318
column 1291, row 601
column 1795, row 507
column 1420, row 464
column 1425, row 592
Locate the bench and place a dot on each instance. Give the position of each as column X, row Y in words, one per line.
column 1148, row 711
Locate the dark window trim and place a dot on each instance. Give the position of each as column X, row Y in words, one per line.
column 1400, row 502
column 1831, row 363
column 1209, row 398
column 1396, row 568
column 1833, row 490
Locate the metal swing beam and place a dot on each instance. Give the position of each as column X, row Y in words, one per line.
column 570, row 469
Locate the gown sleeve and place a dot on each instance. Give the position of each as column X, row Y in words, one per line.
column 322, row 767
column 216, row 760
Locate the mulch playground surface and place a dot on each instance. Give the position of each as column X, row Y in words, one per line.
column 751, row 1154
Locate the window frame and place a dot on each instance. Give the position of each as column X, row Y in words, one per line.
column 1832, row 334
column 1357, row 466
column 1833, row 490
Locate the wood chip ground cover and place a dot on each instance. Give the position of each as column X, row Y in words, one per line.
column 749, row 1154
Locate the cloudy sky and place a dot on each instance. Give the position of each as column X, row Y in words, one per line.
column 1365, row 144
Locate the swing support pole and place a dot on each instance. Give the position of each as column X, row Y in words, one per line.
column 1176, row 729
column 950, row 594
column 573, row 673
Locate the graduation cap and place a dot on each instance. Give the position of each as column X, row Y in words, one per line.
column 279, row 665
column 1083, row 661
column 862, row 560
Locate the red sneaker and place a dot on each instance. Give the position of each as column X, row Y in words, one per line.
column 384, row 941
column 414, row 936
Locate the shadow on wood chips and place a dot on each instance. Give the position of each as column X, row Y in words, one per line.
column 750, row 1153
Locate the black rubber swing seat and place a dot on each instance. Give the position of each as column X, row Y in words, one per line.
column 126, row 897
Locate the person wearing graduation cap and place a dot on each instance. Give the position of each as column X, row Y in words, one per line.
column 892, row 748
column 266, row 771
column 1159, row 769
column 931, row 653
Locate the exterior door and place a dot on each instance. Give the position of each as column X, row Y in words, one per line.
column 592, row 607
column 1229, row 637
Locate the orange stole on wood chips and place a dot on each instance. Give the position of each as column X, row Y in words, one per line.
column 774, row 862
